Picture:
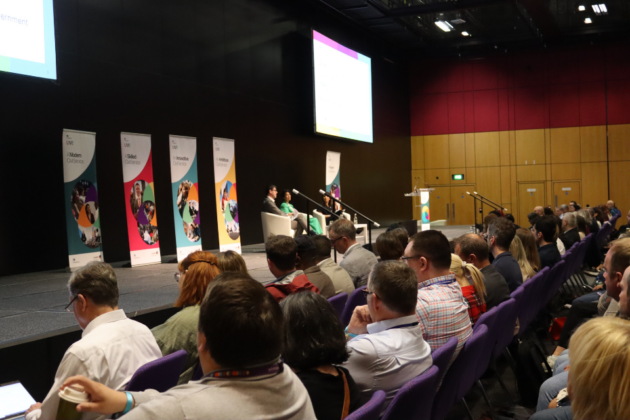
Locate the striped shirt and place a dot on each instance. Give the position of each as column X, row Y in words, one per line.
column 443, row 312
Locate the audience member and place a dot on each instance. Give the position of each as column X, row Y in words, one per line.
column 563, row 209
column 518, row 252
column 533, row 218
column 614, row 211
column 598, row 216
column 179, row 332
column 339, row 276
column 402, row 235
column 307, row 263
column 569, row 228
column 269, row 206
column 582, row 227
column 231, row 261
column 573, row 206
column 501, row 232
column 387, row 344
column 470, row 280
column 474, row 250
column 112, row 347
column 623, row 231
column 529, row 245
column 544, row 231
column 539, row 210
column 548, row 211
column 240, row 340
column 281, row 259
column 441, row 307
column 357, row 260
column 558, row 236
column 314, row 346
column 487, row 220
column 388, row 247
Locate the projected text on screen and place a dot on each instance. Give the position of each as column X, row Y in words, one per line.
column 343, row 90
column 27, row 38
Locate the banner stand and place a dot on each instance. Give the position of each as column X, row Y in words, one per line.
column 225, row 193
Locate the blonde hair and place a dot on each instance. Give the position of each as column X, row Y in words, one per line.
column 599, row 383
column 518, row 252
column 469, row 271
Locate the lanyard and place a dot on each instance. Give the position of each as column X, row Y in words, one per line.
column 272, row 369
column 448, row 281
column 411, row 324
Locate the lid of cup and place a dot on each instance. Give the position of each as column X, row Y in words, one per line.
column 74, row 393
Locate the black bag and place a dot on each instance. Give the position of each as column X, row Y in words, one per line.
column 531, row 369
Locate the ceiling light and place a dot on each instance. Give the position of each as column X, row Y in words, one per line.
column 465, row 33
column 458, row 21
column 581, row 8
column 596, row 9
column 588, row 20
column 603, row 8
column 443, row 26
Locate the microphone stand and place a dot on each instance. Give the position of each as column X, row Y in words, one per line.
column 490, row 202
column 475, row 208
column 309, row 200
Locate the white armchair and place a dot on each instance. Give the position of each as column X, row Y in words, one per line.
column 275, row 225
column 346, row 216
column 322, row 221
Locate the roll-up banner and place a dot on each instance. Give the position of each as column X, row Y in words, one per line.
column 142, row 225
column 424, row 210
column 333, row 163
column 225, row 189
column 185, row 189
column 82, row 210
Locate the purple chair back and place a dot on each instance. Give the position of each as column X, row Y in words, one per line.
column 461, row 375
column 506, row 321
column 415, row 399
column 338, row 302
column 356, row 298
column 161, row 374
column 442, row 356
column 490, row 320
column 371, row 410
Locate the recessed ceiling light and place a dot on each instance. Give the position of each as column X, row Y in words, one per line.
column 465, row 33
column 443, row 26
column 588, row 20
column 596, row 9
column 581, row 8
column 603, row 8
column 458, row 21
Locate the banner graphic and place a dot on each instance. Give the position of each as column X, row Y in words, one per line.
column 424, row 210
column 82, row 209
column 185, row 189
column 142, row 225
column 225, row 189
column 333, row 163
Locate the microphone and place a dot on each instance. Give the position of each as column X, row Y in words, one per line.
column 322, row 192
column 295, row 191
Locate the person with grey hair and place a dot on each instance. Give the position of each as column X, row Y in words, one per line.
column 386, row 345
column 614, row 211
column 563, row 210
column 569, row 228
column 357, row 261
column 112, row 347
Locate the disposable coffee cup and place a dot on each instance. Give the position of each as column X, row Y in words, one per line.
column 69, row 398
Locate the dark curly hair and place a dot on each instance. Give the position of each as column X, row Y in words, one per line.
column 313, row 335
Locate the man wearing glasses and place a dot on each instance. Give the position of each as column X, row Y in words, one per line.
column 357, row 261
column 441, row 307
column 112, row 347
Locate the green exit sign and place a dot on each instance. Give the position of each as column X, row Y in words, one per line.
column 458, row 177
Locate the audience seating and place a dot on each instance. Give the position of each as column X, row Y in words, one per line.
column 442, row 357
column 371, row 410
column 161, row 374
column 414, row 400
column 338, row 302
column 356, row 298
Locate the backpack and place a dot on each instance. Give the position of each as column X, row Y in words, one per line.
column 299, row 284
column 531, row 369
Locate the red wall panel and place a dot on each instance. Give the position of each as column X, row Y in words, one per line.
column 529, row 108
column 619, row 101
column 528, row 70
column 562, row 66
column 618, row 62
column 564, row 106
column 467, row 72
column 592, row 64
column 456, row 113
column 417, row 120
column 435, row 114
column 504, row 109
column 592, row 103
column 486, row 110
column 469, row 112
column 504, row 72
column 484, row 74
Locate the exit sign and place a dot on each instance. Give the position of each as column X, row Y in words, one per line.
column 458, row 177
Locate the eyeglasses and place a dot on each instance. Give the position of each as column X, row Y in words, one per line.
column 367, row 293
column 405, row 259
column 67, row 308
column 332, row 241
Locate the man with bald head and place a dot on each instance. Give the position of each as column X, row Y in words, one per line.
column 539, row 210
column 472, row 249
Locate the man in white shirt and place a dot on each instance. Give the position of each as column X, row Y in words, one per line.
column 387, row 348
column 239, row 340
column 339, row 276
column 357, row 261
column 112, row 347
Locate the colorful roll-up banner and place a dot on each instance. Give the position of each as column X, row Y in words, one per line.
column 225, row 189
column 333, row 163
column 142, row 225
column 185, row 189
column 424, row 210
column 82, row 208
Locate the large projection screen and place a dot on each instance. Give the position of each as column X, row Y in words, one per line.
column 27, row 38
column 343, row 90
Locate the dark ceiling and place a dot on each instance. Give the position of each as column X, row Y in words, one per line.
column 409, row 25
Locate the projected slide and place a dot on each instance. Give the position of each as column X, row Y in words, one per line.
column 27, row 38
column 343, row 90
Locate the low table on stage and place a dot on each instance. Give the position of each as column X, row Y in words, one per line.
column 364, row 233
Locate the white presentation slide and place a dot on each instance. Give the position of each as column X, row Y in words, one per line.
column 343, row 90
column 22, row 30
column 14, row 399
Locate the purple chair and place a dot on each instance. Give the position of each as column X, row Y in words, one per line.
column 461, row 375
column 414, row 400
column 442, row 356
column 371, row 410
column 161, row 374
column 356, row 298
column 338, row 302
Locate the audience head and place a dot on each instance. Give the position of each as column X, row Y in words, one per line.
column 496, row 213
column 615, row 264
column 518, row 252
column 429, row 254
column 568, row 221
column 584, row 213
column 93, row 291
column 323, row 248
column 510, row 217
column 197, row 270
column 389, row 247
column 564, row 208
column 342, row 234
column 306, row 252
column 472, row 249
column 313, row 335
column 574, row 206
column 487, row 220
column 598, row 381
column 231, row 261
column 539, row 210
column 471, row 274
column 605, row 211
column 240, row 324
column 402, row 235
column 533, row 218
column 580, row 223
column 393, row 291
column 548, row 211
column 272, row 191
column 529, row 245
column 500, row 234
column 281, row 254
column 597, row 214
column 610, row 204
column 545, row 230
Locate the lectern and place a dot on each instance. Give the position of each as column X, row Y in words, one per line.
column 421, row 199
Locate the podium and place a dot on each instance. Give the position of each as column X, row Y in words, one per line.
column 421, row 200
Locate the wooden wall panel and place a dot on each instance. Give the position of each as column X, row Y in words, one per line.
column 487, row 149
column 506, row 191
column 594, row 183
column 436, row 152
column 514, row 189
column 437, row 176
column 593, row 144
column 504, row 148
column 618, row 142
column 457, row 150
column 547, row 145
column 528, row 173
column 417, row 152
column 459, row 171
column 470, row 150
column 488, row 183
column 530, row 147
column 619, row 185
column 565, row 145
column 564, row 171
column 512, row 148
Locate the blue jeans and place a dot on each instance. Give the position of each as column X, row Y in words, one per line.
column 590, row 297
column 561, row 362
column 550, row 389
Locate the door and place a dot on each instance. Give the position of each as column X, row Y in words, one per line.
column 566, row 191
column 462, row 205
column 439, row 204
column 530, row 195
